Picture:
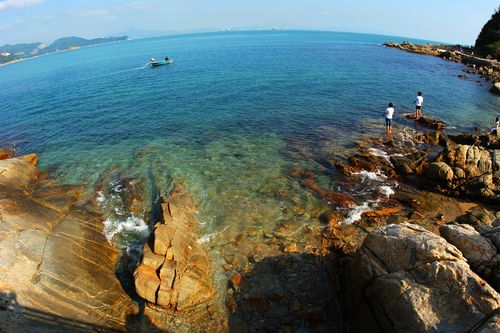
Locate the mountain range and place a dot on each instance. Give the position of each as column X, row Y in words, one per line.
column 14, row 52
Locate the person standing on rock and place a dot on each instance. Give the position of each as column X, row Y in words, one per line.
column 494, row 130
column 419, row 101
column 389, row 112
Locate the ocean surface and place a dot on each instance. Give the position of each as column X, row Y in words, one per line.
column 233, row 114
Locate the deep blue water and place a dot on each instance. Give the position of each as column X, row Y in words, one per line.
column 220, row 117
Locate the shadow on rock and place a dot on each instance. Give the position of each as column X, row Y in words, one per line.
column 288, row 293
column 15, row 317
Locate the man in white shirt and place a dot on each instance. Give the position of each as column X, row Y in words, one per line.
column 389, row 112
column 418, row 105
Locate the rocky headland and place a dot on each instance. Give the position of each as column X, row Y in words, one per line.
column 489, row 69
column 424, row 259
column 57, row 270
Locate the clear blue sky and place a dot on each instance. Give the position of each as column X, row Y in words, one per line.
column 453, row 21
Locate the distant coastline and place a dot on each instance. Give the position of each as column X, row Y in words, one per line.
column 10, row 54
column 489, row 69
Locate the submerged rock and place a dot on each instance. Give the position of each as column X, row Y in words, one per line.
column 334, row 198
column 401, row 281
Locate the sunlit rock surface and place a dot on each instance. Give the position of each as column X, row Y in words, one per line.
column 56, row 267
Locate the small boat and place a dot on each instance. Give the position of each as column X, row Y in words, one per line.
column 160, row 63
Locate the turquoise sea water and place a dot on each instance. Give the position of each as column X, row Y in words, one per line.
column 229, row 117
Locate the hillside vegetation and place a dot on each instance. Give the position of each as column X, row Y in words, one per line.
column 22, row 51
column 488, row 41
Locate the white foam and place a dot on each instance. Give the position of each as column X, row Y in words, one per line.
column 206, row 238
column 209, row 237
column 125, row 233
column 100, row 198
column 370, row 175
column 386, row 190
column 379, row 153
column 355, row 214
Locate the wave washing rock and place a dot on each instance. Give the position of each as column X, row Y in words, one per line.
column 55, row 264
column 175, row 271
column 407, row 279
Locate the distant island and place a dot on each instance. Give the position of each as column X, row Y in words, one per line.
column 11, row 53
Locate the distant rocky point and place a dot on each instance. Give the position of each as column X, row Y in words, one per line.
column 9, row 53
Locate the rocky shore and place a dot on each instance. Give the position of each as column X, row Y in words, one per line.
column 424, row 259
column 488, row 69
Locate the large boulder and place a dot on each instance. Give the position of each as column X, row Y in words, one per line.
column 474, row 247
column 175, row 272
column 476, row 217
column 463, row 170
column 407, row 279
column 413, row 163
column 54, row 257
column 440, row 171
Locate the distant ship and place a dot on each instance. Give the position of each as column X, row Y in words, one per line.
column 277, row 28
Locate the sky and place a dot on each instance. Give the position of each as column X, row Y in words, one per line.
column 450, row 21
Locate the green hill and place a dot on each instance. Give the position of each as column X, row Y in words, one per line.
column 21, row 50
column 67, row 42
column 488, row 41
column 26, row 50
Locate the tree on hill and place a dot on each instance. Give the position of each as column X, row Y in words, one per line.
column 488, row 41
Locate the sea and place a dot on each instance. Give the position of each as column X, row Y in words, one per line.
column 228, row 119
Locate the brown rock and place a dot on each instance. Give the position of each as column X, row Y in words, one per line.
column 291, row 248
column 334, row 198
column 403, row 276
column 6, row 153
column 53, row 255
column 256, row 304
column 440, row 171
column 313, row 314
column 231, row 304
column 151, row 259
column 382, row 212
column 476, row 217
column 185, row 275
column 410, row 164
column 163, row 235
column 235, row 281
column 332, row 219
column 30, row 158
column 168, row 273
column 146, row 282
column 474, row 247
column 164, row 298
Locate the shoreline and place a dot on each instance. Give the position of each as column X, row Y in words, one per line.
column 52, row 53
column 488, row 69
column 259, row 277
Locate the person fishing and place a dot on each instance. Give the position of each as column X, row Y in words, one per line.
column 419, row 101
column 494, row 130
column 167, row 58
column 389, row 112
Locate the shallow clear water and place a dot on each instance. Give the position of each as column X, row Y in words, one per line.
column 229, row 117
